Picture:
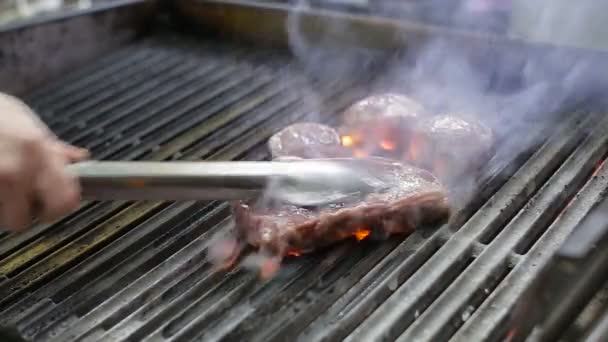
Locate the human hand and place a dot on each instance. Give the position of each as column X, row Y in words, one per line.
column 33, row 180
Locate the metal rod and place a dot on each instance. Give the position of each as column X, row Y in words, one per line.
column 204, row 180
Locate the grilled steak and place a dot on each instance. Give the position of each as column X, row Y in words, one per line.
column 413, row 198
column 450, row 145
column 381, row 124
column 307, row 140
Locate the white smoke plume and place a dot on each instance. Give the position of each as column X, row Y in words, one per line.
column 505, row 85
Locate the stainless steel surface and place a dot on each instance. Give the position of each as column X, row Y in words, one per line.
column 37, row 49
column 304, row 183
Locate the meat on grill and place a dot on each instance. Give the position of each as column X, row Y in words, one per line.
column 414, row 198
column 451, row 145
column 445, row 145
column 307, row 140
column 381, row 124
column 397, row 127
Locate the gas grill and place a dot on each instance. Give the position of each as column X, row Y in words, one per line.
column 149, row 87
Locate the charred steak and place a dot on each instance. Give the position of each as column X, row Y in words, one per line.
column 414, row 198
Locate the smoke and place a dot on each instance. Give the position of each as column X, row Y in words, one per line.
column 515, row 88
column 313, row 43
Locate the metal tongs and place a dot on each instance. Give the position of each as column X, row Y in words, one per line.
column 299, row 182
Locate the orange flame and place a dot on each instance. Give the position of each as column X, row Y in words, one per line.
column 294, row 253
column 388, row 145
column 361, row 234
column 347, row 141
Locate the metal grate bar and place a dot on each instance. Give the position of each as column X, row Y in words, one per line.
column 9, row 243
column 195, row 68
column 147, row 256
column 75, row 96
column 377, row 286
column 188, row 114
column 143, row 106
column 74, row 279
column 88, row 81
column 184, row 264
column 167, row 75
column 154, row 117
column 81, row 78
column 39, row 248
column 126, row 88
column 67, row 256
column 228, row 108
column 599, row 330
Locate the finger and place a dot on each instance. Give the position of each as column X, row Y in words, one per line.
column 58, row 191
column 72, row 153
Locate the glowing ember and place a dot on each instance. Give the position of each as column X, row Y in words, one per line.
column 294, row 253
column 347, row 141
column 388, row 145
column 362, row 234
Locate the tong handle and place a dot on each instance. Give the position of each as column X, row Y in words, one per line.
column 115, row 180
column 304, row 183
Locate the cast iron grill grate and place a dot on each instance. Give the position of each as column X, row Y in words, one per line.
column 132, row 271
